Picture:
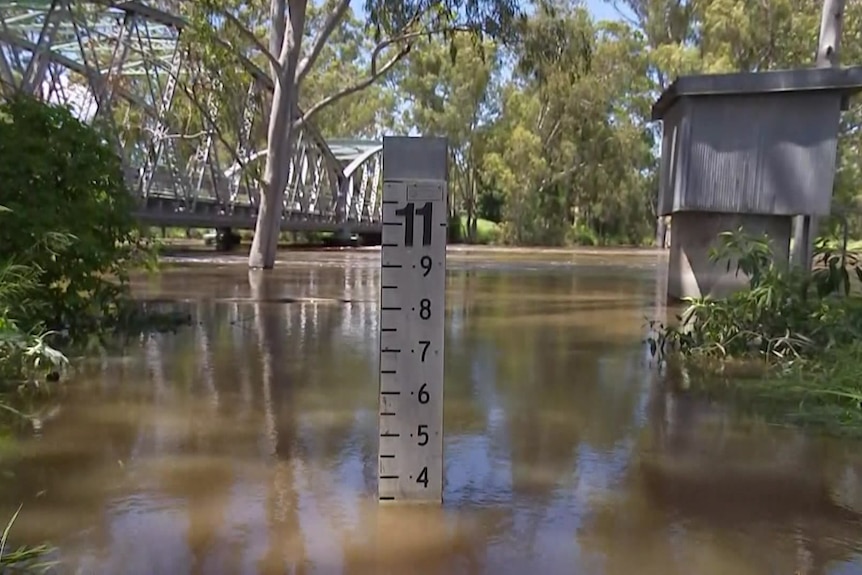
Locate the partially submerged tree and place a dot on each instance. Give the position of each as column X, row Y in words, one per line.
column 570, row 153
column 279, row 40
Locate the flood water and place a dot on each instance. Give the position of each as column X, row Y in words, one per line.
column 247, row 443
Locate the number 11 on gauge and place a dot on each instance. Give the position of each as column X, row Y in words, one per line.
column 412, row 311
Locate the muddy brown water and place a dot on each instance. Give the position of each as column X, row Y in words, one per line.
column 247, row 442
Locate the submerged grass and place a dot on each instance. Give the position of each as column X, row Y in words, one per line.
column 824, row 395
column 787, row 348
column 24, row 559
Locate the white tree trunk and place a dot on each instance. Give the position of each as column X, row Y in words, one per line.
column 831, row 23
column 288, row 40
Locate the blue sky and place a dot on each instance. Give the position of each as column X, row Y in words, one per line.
column 602, row 10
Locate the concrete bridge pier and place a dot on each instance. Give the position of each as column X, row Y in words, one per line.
column 371, row 239
column 342, row 237
column 226, row 240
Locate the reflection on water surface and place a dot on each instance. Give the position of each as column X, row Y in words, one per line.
column 247, row 443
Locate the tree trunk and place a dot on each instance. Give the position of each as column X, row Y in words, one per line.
column 279, row 131
column 472, row 217
column 268, row 225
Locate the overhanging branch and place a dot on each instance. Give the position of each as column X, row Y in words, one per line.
column 329, row 27
column 253, row 69
column 373, row 76
column 248, row 35
column 375, row 72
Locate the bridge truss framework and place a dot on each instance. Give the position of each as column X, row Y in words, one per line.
column 187, row 141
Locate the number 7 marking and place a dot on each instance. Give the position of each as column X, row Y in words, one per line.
column 425, row 345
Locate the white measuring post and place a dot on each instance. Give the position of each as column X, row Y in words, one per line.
column 412, row 312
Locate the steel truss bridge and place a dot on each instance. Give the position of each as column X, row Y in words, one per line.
column 187, row 132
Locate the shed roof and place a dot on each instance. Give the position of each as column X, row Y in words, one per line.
column 844, row 80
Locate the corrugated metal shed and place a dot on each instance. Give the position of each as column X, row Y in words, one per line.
column 756, row 143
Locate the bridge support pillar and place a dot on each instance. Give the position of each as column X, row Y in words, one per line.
column 226, row 239
column 371, row 239
column 341, row 238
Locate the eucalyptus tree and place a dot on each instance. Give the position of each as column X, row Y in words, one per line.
column 280, row 39
column 451, row 91
column 342, row 62
column 570, row 151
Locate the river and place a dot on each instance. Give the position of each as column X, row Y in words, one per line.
column 246, row 443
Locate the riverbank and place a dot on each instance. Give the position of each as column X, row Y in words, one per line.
column 786, row 348
column 821, row 395
column 488, row 233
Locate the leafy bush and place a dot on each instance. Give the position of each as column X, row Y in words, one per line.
column 806, row 326
column 784, row 314
column 68, row 216
column 23, row 354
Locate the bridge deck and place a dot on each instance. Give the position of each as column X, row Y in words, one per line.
column 207, row 213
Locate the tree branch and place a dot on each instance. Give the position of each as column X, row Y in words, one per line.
column 278, row 21
column 374, row 74
column 250, row 36
column 191, row 91
column 329, row 27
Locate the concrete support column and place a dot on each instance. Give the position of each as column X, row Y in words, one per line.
column 226, row 240
column 341, row 236
column 661, row 235
column 690, row 271
column 804, row 234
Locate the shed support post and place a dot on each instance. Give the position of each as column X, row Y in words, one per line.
column 806, row 226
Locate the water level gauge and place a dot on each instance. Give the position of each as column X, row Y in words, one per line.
column 412, row 310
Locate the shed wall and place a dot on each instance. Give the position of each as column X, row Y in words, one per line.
column 762, row 154
column 669, row 154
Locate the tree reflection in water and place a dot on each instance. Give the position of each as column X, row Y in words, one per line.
column 247, row 443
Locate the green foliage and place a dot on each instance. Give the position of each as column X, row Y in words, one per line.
column 572, row 150
column 560, row 146
column 67, row 242
column 22, row 559
column 486, row 232
column 783, row 315
column 24, row 353
column 341, row 63
column 823, row 393
column 453, row 97
column 564, row 150
column 787, row 347
column 68, row 218
column 496, row 18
